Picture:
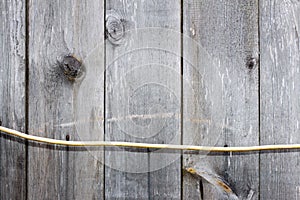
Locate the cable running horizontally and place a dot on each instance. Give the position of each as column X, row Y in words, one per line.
column 146, row 145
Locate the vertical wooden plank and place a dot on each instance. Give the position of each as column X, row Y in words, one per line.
column 280, row 64
column 12, row 99
column 58, row 28
column 220, row 93
column 142, row 98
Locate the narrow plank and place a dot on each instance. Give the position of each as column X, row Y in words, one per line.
column 280, row 63
column 12, row 99
column 220, row 93
column 142, row 98
column 59, row 28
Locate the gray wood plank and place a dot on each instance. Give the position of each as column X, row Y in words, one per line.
column 142, row 98
column 280, row 63
column 12, row 99
column 58, row 28
column 220, row 93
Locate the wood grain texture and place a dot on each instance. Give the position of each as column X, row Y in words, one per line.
column 141, row 64
column 280, row 64
column 58, row 28
column 220, row 92
column 12, row 99
column 142, row 98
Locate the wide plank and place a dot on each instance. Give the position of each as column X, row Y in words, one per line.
column 220, row 93
column 65, row 107
column 143, row 98
column 280, row 97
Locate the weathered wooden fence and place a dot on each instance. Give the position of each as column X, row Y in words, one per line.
column 201, row 72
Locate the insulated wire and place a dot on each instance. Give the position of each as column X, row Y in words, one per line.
column 146, row 145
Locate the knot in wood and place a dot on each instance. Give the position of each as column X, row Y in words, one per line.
column 251, row 62
column 71, row 67
column 115, row 29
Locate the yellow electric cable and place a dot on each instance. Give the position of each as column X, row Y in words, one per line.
column 146, row 145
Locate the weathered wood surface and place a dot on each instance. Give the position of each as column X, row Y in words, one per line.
column 280, row 92
column 143, row 98
column 12, row 98
column 58, row 28
column 134, row 81
column 220, row 90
